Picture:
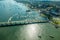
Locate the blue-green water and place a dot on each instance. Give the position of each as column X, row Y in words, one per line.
column 13, row 11
column 30, row 32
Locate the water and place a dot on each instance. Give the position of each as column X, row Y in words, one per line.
column 30, row 32
column 13, row 11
